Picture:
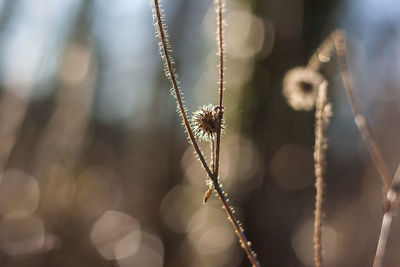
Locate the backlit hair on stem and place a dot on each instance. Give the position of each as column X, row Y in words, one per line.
column 322, row 115
column 169, row 67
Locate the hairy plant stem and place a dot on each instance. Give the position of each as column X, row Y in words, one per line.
column 321, row 121
column 220, row 81
column 238, row 229
column 213, row 175
column 361, row 122
column 212, row 163
column 213, row 155
column 172, row 77
column 246, row 245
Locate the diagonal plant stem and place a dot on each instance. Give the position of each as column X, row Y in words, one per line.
column 323, row 53
column 246, row 245
column 383, row 238
column 392, row 202
column 171, row 75
column 391, row 189
column 362, row 124
column 213, row 175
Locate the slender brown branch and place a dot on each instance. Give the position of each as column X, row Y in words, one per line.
column 323, row 53
column 322, row 114
column 383, row 238
column 391, row 204
column 212, row 164
column 360, row 120
column 213, row 175
column 171, row 75
column 246, row 245
column 220, row 82
column 212, row 155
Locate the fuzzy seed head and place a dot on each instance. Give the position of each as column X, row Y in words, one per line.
column 206, row 122
column 300, row 87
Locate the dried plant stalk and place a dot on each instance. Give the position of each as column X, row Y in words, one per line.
column 322, row 115
column 168, row 62
column 209, row 181
column 392, row 203
column 391, row 189
column 169, row 69
column 383, row 238
column 364, row 128
column 323, row 53
column 220, row 81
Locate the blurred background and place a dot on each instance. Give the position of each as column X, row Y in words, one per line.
column 95, row 166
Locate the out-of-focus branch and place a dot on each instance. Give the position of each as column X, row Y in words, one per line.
column 322, row 114
column 391, row 204
column 359, row 118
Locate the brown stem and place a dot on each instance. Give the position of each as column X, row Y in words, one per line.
column 360, row 120
column 383, row 238
column 212, row 164
column 323, row 53
column 238, row 229
column 170, row 73
column 220, row 82
column 213, row 155
column 172, row 77
column 392, row 201
column 246, row 245
column 321, row 121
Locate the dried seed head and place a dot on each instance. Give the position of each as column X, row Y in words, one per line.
column 206, row 121
column 300, row 87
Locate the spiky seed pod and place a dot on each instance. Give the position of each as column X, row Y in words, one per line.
column 206, row 122
column 300, row 87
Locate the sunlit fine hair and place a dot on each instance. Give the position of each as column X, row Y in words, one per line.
column 300, row 87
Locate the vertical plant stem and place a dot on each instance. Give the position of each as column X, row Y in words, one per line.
column 364, row 128
column 212, row 164
column 212, row 156
column 213, row 175
column 220, row 81
column 321, row 121
column 236, row 225
column 171, row 75
column 392, row 201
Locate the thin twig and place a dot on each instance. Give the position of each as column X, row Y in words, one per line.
column 246, row 245
column 323, row 53
column 212, row 164
column 383, row 238
column 238, row 229
column 322, row 114
column 212, row 155
column 213, row 175
column 360, row 120
column 220, row 82
column 392, row 201
column 171, row 75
